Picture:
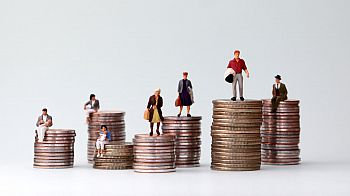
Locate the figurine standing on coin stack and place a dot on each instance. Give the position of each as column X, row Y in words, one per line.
column 154, row 109
column 114, row 120
column 117, row 157
column 154, row 154
column 236, row 141
column 238, row 65
column 56, row 151
column 281, row 133
column 185, row 94
column 188, row 138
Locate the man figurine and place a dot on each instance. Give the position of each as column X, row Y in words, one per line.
column 279, row 93
column 93, row 105
column 43, row 124
column 238, row 64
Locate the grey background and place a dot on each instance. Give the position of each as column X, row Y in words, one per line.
column 55, row 53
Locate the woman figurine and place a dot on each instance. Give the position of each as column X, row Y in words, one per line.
column 91, row 106
column 185, row 94
column 155, row 103
column 103, row 138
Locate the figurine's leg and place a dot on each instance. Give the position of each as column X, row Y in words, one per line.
column 158, row 125
column 240, row 84
column 151, row 126
column 188, row 111
column 234, row 84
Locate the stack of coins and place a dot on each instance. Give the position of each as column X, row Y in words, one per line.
column 116, row 157
column 280, row 133
column 235, row 131
column 114, row 120
column 56, row 151
column 154, row 154
column 188, row 139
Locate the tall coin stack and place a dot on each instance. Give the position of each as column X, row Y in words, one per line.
column 56, row 151
column 117, row 157
column 281, row 133
column 235, row 131
column 114, row 120
column 188, row 139
column 154, row 154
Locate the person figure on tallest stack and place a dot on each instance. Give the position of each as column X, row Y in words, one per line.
column 238, row 65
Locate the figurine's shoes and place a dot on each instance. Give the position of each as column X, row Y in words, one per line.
column 178, row 115
column 188, row 115
column 233, row 98
column 158, row 133
column 241, row 98
column 151, row 133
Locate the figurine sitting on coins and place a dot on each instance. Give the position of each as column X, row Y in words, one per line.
column 155, row 103
column 103, row 138
column 43, row 123
column 90, row 107
column 185, row 94
column 279, row 93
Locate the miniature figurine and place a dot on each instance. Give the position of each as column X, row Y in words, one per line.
column 43, row 123
column 90, row 107
column 185, row 94
column 155, row 103
column 104, row 138
column 279, row 93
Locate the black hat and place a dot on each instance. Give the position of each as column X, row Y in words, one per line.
column 278, row 77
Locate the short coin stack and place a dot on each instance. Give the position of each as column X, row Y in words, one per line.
column 56, row 151
column 280, row 133
column 235, row 131
column 154, row 154
column 114, row 120
column 188, row 139
column 116, row 157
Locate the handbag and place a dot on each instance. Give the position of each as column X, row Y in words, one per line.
column 146, row 114
column 178, row 102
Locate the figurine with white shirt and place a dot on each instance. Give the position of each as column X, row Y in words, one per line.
column 104, row 138
column 43, row 123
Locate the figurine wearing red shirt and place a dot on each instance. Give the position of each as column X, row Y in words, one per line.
column 238, row 65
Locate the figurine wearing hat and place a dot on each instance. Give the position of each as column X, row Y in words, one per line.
column 185, row 94
column 235, row 68
column 279, row 93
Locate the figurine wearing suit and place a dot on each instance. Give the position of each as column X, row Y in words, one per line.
column 279, row 93
column 43, row 123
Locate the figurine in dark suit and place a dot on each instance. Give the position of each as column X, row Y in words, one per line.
column 279, row 93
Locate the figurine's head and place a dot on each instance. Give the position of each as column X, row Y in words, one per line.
column 236, row 54
column 104, row 128
column 185, row 74
column 44, row 111
column 157, row 91
column 92, row 97
column 278, row 78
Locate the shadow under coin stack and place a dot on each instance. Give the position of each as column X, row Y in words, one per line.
column 154, row 154
column 188, row 141
column 281, row 133
column 235, row 131
column 114, row 120
column 117, row 157
column 56, row 151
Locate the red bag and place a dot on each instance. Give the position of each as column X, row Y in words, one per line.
column 178, row 102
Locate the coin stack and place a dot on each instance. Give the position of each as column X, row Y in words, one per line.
column 188, row 139
column 116, row 157
column 235, row 131
column 114, row 120
column 154, row 154
column 56, row 151
column 281, row 133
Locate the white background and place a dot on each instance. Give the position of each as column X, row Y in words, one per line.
column 55, row 53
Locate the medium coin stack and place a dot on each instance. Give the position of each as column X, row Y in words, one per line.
column 116, row 157
column 154, row 154
column 188, row 139
column 235, row 131
column 114, row 120
column 281, row 133
column 56, row 151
